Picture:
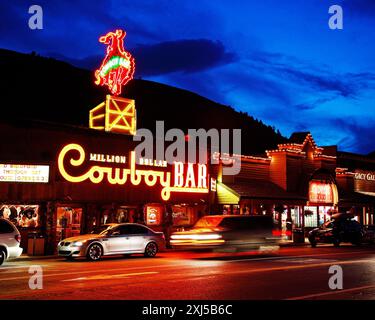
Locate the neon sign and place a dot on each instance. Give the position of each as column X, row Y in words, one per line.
column 185, row 179
column 118, row 66
column 320, row 192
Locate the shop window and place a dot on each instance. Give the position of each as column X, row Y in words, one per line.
column 236, row 209
column 180, row 216
column 325, row 214
column 227, row 209
column 23, row 216
column 311, row 219
column 296, row 218
column 126, row 214
column 68, row 222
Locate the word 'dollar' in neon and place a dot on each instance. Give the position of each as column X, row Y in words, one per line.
column 183, row 182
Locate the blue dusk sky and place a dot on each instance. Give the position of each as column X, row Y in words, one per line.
column 276, row 60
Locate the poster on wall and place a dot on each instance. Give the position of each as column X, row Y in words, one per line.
column 153, row 215
column 23, row 216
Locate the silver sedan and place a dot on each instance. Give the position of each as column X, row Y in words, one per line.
column 115, row 239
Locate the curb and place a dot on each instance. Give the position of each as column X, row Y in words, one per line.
column 305, row 244
column 30, row 258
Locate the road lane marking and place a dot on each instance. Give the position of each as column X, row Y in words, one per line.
column 182, row 262
column 295, row 257
column 322, row 294
column 109, row 276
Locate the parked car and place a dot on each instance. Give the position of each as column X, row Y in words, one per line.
column 10, row 239
column 124, row 238
column 234, row 232
column 342, row 228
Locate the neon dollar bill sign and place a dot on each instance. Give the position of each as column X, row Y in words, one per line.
column 118, row 66
column 186, row 178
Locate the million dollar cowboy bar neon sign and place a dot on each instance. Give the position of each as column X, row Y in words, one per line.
column 193, row 180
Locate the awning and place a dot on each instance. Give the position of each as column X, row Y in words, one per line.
column 356, row 198
column 232, row 193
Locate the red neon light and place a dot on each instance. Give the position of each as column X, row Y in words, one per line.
column 118, row 66
column 320, row 192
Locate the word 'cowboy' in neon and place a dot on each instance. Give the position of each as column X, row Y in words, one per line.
column 189, row 181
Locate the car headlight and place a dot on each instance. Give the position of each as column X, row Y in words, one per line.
column 78, row 243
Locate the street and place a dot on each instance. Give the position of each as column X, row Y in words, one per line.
column 290, row 273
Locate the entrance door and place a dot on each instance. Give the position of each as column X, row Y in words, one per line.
column 68, row 222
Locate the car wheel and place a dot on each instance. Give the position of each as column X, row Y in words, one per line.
column 151, row 249
column 312, row 242
column 2, row 256
column 94, row 252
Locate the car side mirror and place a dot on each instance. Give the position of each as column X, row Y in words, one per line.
column 116, row 233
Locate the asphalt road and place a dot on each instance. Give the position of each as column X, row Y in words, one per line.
column 290, row 273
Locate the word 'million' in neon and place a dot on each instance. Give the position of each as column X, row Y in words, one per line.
column 96, row 174
column 107, row 158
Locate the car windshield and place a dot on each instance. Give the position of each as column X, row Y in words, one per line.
column 100, row 229
column 208, row 222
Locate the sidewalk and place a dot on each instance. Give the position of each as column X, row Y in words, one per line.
column 25, row 257
column 290, row 243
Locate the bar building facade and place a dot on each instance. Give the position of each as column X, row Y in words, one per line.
column 38, row 196
column 300, row 184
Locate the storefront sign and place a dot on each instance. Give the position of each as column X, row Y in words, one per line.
column 367, row 176
column 187, row 178
column 118, row 66
column 320, row 192
column 24, row 173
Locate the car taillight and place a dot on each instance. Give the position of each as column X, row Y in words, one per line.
column 18, row 237
column 276, row 233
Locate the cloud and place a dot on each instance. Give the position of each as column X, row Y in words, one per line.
column 322, row 81
column 357, row 136
column 182, row 56
column 186, row 56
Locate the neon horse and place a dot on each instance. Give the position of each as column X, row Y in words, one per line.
column 118, row 66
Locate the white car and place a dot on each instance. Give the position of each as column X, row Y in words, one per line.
column 114, row 239
column 10, row 239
